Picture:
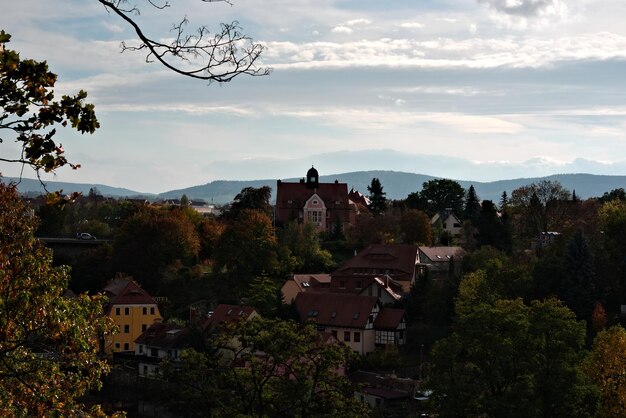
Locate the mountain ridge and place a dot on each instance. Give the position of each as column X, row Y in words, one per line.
column 396, row 184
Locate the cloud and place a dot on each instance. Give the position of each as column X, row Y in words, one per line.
column 341, row 29
column 476, row 53
column 411, row 25
column 526, row 8
column 358, row 22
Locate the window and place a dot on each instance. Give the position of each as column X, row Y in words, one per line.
column 314, row 216
column 126, row 346
column 145, row 311
column 117, row 346
column 154, row 352
column 140, row 348
column 126, row 329
column 152, row 311
column 342, row 284
column 334, row 332
column 359, row 284
column 144, row 327
column 357, row 337
column 117, row 311
column 346, row 336
column 127, row 311
column 145, row 370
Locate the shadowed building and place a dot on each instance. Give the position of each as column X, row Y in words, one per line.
column 322, row 204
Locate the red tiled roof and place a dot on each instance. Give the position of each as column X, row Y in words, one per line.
column 164, row 336
column 307, row 282
column 389, row 318
column 124, row 291
column 400, row 258
column 228, row 314
column 335, row 309
column 298, row 193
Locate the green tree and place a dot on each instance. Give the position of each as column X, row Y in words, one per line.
column 606, row 367
column 378, row 201
column 615, row 194
column 510, row 359
column 153, row 239
column 48, row 342
column 580, row 292
column 415, row 227
column 442, row 194
column 541, row 205
column 30, row 113
column 303, row 243
column 491, row 230
column 247, row 247
column 472, row 207
column 251, row 198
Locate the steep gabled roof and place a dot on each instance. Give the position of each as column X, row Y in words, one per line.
column 125, row 291
column 308, row 282
column 335, row 309
column 400, row 258
column 229, row 314
column 333, row 194
column 389, row 319
column 164, row 336
column 441, row 254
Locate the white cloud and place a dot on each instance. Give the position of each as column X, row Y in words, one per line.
column 361, row 21
column 411, row 25
column 112, row 27
column 341, row 29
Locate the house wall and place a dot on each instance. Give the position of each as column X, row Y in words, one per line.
column 131, row 321
column 367, row 337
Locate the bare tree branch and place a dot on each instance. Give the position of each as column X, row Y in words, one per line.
column 218, row 57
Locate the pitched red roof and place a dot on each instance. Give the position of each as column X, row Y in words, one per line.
column 335, row 309
column 164, row 336
column 389, row 318
column 228, row 314
column 125, row 291
column 397, row 260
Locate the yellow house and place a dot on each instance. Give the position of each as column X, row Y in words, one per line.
column 132, row 309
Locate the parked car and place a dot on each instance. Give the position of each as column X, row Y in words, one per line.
column 85, row 235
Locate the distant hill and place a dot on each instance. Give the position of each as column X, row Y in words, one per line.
column 30, row 186
column 396, row 184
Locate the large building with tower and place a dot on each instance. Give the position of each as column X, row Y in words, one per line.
column 325, row 205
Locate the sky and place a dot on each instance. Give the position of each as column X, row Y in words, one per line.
column 466, row 89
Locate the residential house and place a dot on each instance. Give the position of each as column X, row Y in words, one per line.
column 390, row 326
column 385, row 288
column 449, row 223
column 132, row 309
column 159, row 342
column 325, row 205
column 438, row 261
column 352, row 319
column 303, row 283
column 397, row 261
column 348, row 317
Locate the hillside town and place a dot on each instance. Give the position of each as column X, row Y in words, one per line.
column 331, row 299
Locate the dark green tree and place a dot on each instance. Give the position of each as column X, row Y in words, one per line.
column 153, row 239
column 510, row 359
column 251, row 198
column 268, row 368
column 504, row 201
column 378, row 201
column 491, row 230
column 472, row 205
column 615, row 194
column 442, row 194
column 580, row 291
